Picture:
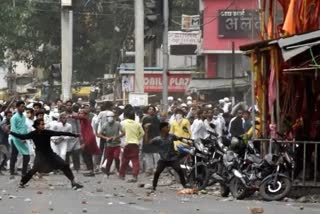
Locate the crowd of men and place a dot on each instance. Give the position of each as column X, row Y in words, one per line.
column 115, row 135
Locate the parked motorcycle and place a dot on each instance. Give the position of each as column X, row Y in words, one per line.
column 269, row 175
column 194, row 163
column 201, row 160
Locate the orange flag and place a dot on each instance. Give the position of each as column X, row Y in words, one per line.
column 270, row 21
column 285, row 5
column 289, row 26
column 314, row 25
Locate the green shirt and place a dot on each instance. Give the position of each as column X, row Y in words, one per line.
column 111, row 130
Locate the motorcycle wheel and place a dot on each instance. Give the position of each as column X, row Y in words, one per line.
column 199, row 181
column 212, row 170
column 237, row 189
column 271, row 192
column 224, row 190
column 250, row 193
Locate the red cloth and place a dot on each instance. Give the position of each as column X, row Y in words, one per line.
column 112, row 153
column 88, row 137
column 130, row 153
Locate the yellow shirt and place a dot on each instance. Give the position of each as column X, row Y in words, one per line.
column 133, row 131
column 257, row 129
column 176, row 128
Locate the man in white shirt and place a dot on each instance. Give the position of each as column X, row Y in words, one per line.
column 198, row 129
column 209, row 120
column 219, row 122
column 29, row 122
column 61, row 143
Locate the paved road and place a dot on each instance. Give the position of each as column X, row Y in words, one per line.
column 53, row 194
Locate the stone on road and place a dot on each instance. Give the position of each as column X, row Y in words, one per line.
column 55, row 195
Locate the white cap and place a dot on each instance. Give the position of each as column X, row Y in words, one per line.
column 121, row 107
column 209, row 106
column 189, row 98
column 170, row 98
column 183, row 105
column 221, row 101
column 110, row 114
column 256, row 109
column 47, row 108
column 226, row 99
column 179, row 100
column 189, row 103
column 30, row 105
column 55, row 115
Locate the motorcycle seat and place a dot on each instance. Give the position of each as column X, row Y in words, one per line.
column 255, row 159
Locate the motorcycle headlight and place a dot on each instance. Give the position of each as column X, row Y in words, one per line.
column 199, row 145
column 192, row 151
column 228, row 159
column 205, row 150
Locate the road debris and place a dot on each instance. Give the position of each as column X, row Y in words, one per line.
column 187, row 192
column 27, row 200
column 256, row 210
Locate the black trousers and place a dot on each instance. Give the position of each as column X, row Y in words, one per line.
column 88, row 160
column 13, row 160
column 162, row 165
column 75, row 155
column 4, row 161
column 47, row 163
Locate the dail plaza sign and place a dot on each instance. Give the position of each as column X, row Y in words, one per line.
column 177, row 83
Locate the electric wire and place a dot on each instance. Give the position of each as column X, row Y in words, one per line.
column 213, row 19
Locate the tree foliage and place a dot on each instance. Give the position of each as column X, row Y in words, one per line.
column 31, row 30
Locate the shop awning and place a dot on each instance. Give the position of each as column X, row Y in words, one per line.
column 290, row 46
column 217, row 84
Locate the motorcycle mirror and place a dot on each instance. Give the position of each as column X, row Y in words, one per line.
column 212, row 125
column 250, row 144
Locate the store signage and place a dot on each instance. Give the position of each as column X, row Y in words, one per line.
column 66, row 3
column 138, row 99
column 189, row 23
column 176, row 82
column 238, row 23
column 183, row 43
column 183, row 38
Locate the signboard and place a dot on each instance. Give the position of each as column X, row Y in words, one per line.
column 138, row 99
column 190, row 23
column 183, row 43
column 183, row 38
column 177, row 83
column 66, row 3
column 127, row 83
column 238, row 23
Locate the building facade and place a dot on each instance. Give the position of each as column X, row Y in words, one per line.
column 224, row 22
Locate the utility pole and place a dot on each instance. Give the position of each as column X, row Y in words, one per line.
column 165, row 56
column 233, row 74
column 66, row 48
column 139, row 46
